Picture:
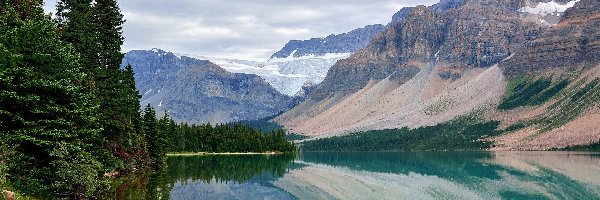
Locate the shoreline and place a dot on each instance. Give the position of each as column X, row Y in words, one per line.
column 227, row 153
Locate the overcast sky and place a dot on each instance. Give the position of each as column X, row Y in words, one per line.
column 244, row 29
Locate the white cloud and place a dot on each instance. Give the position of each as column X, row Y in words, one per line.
column 292, row 31
column 194, row 29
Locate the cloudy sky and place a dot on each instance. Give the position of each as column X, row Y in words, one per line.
column 244, row 29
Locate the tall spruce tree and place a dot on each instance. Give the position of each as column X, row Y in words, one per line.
column 77, row 24
column 95, row 30
column 46, row 112
column 156, row 144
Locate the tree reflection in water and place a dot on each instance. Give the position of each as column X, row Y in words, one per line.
column 210, row 168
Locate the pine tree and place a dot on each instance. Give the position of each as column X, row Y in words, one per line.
column 95, row 30
column 156, row 148
column 128, row 108
column 78, row 26
column 46, row 112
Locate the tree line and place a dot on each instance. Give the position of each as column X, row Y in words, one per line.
column 70, row 115
column 462, row 134
column 221, row 138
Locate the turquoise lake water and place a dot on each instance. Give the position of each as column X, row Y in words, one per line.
column 411, row 175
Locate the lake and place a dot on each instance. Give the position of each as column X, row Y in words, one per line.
column 410, row 175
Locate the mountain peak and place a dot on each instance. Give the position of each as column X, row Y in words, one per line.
column 421, row 11
column 157, row 50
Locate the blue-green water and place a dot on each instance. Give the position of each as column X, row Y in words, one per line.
column 420, row 175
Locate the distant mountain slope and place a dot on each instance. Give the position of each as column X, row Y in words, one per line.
column 198, row 91
column 342, row 43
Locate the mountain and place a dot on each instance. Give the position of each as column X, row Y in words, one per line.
column 198, row 91
column 470, row 59
column 342, row 43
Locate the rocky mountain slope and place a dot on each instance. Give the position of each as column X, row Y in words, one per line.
column 434, row 66
column 568, row 53
column 198, row 91
column 342, row 43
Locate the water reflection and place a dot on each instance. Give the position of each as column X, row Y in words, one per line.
column 435, row 175
column 425, row 175
column 153, row 186
column 228, row 177
column 236, row 169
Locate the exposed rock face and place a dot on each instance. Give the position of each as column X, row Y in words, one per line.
column 307, row 89
column 445, row 5
column 416, row 38
column 575, row 40
column 400, row 15
column 342, row 43
column 441, row 7
column 477, row 34
column 198, row 91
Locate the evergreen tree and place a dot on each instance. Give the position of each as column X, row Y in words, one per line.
column 95, row 30
column 78, row 26
column 156, row 148
column 46, row 112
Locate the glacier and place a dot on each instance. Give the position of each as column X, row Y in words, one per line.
column 286, row 75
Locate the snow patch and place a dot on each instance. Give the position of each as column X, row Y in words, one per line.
column 293, row 53
column 508, row 58
column 179, row 55
column 549, row 8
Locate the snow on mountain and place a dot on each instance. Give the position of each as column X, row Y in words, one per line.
column 548, row 8
column 287, row 75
